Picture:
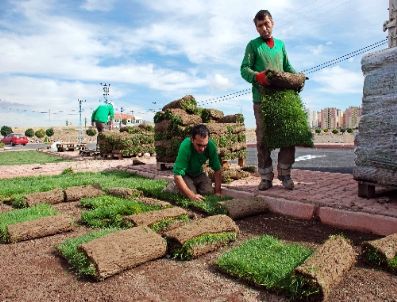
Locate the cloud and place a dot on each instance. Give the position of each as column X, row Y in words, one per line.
column 98, row 5
column 337, row 80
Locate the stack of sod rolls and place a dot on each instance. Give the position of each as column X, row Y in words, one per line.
column 130, row 141
column 174, row 123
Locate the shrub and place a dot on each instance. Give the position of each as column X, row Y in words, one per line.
column 318, row 130
column 335, row 131
column 349, row 130
column 342, row 130
column 29, row 132
column 5, row 130
column 325, row 130
column 2, row 145
column 90, row 132
column 49, row 132
column 124, row 121
column 40, row 133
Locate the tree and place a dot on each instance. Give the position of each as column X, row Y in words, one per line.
column 29, row 132
column 325, row 130
column 318, row 130
column 49, row 132
column 40, row 133
column 349, row 130
column 335, row 131
column 342, row 130
column 124, row 121
column 90, row 132
column 5, row 130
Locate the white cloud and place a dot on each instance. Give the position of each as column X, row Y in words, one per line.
column 98, row 5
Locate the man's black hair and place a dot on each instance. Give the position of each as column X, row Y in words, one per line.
column 200, row 130
column 261, row 15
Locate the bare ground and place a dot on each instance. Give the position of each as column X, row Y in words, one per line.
column 32, row 271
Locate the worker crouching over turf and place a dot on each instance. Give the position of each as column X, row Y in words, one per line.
column 189, row 178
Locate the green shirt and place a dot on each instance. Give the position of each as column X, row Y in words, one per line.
column 190, row 162
column 259, row 57
column 102, row 113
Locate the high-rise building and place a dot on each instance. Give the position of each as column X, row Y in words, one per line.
column 351, row 117
column 331, row 118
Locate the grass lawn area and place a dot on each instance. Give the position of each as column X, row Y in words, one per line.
column 27, row 157
column 268, row 262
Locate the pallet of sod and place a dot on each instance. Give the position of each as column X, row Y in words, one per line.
column 201, row 236
column 108, row 211
column 30, row 223
column 382, row 252
column 101, row 254
column 265, row 261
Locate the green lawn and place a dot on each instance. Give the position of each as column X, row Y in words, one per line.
column 27, row 157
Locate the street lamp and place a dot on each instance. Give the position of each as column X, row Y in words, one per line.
column 80, row 138
column 106, row 88
column 121, row 115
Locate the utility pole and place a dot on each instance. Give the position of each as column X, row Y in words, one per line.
column 391, row 24
column 80, row 138
column 121, row 116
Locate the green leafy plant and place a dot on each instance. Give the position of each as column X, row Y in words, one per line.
column 5, row 130
column 90, row 132
column 2, row 145
column 349, row 130
column 67, row 171
column 165, row 223
column 335, row 131
column 29, row 132
column 40, row 133
column 49, row 132
column 318, row 130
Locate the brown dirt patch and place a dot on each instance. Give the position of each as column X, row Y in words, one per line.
column 51, row 197
column 32, row 271
column 79, row 192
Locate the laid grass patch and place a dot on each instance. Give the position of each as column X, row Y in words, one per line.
column 163, row 225
column 185, row 252
column 266, row 261
column 23, row 215
column 210, row 205
column 14, row 190
column 108, row 211
column 77, row 259
column 27, row 157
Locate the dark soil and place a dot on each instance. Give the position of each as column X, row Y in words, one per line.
column 32, row 271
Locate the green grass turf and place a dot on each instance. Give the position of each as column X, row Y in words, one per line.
column 166, row 222
column 185, row 251
column 27, row 157
column 77, row 259
column 266, row 261
column 22, row 215
column 108, row 211
column 377, row 259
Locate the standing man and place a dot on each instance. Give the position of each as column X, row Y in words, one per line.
column 267, row 53
column 189, row 178
column 102, row 115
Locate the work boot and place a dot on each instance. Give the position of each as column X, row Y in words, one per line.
column 287, row 182
column 265, row 185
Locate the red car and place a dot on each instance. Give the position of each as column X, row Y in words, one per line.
column 15, row 139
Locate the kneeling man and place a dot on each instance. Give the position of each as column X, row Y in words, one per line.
column 194, row 151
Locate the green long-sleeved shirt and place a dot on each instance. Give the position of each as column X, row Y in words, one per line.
column 103, row 113
column 190, row 162
column 259, row 57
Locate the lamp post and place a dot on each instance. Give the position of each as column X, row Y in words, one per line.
column 106, row 89
column 121, row 116
column 80, row 137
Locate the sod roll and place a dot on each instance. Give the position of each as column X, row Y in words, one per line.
column 382, row 252
column 240, row 208
column 232, row 118
column 149, row 218
column 38, row 228
column 285, row 80
column 181, row 117
column 122, row 250
column 126, row 193
column 154, row 202
column 50, row 197
column 211, row 115
column 187, row 103
column 327, row 265
column 79, row 192
column 182, row 240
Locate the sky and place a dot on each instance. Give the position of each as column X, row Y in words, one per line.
column 55, row 53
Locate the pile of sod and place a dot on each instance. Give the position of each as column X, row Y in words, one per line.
column 285, row 119
column 69, row 249
column 23, row 215
column 382, row 253
column 27, row 157
column 269, row 262
column 13, row 191
column 108, row 211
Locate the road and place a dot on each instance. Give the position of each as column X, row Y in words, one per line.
column 316, row 159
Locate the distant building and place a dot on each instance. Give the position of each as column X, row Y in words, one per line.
column 351, row 117
column 312, row 117
column 331, row 118
column 130, row 119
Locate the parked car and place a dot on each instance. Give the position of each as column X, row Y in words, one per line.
column 15, row 139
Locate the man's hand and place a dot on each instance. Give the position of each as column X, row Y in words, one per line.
column 196, row 197
column 262, row 79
